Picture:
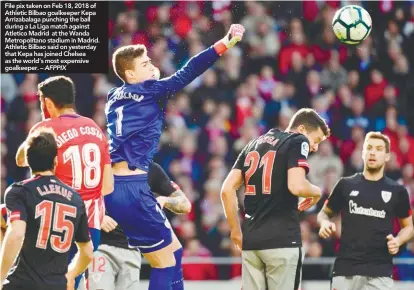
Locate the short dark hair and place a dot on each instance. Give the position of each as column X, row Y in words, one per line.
column 41, row 150
column 60, row 90
column 379, row 135
column 311, row 120
column 123, row 58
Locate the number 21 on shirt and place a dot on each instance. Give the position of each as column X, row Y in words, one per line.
column 254, row 162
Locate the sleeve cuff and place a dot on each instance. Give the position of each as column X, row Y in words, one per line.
column 409, row 213
column 304, row 164
column 14, row 216
column 4, row 211
column 220, row 47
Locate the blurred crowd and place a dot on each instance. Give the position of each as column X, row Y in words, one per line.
column 289, row 59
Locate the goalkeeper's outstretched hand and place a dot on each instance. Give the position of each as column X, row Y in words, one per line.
column 234, row 35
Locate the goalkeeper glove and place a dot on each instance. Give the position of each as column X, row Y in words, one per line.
column 234, row 35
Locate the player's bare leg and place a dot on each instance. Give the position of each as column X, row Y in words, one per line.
column 165, row 260
column 164, row 257
column 162, row 262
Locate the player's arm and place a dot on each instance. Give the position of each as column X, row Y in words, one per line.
column 85, row 249
column 108, row 180
column 21, row 155
column 108, row 223
column 299, row 185
column 3, row 216
column 178, row 203
column 332, row 206
column 11, row 245
column 172, row 197
column 405, row 218
column 406, row 232
column 21, row 152
column 3, row 222
column 108, row 176
column 298, row 167
column 196, row 65
column 16, row 230
column 229, row 197
column 229, row 200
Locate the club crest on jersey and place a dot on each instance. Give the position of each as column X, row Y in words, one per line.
column 305, row 149
column 386, row 195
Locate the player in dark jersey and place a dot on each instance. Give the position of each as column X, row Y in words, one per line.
column 116, row 266
column 135, row 113
column 369, row 203
column 273, row 168
column 83, row 156
column 45, row 217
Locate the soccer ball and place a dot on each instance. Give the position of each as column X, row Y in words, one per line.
column 351, row 24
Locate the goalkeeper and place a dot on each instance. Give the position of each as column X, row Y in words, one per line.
column 135, row 114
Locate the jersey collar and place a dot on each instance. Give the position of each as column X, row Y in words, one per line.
column 69, row 115
column 363, row 177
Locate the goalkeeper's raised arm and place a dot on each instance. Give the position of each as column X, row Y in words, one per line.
column 132, row 65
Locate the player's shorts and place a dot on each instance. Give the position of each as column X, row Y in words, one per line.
column 362, row 282
column 114, row 268
column 138, row 213
column 272, row 269
column 95, row 209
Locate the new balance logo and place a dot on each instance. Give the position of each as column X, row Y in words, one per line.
column 354, row 193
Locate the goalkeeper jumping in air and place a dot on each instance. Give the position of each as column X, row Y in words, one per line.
column 135, row 113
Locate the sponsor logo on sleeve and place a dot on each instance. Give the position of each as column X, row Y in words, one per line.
column 305, row 149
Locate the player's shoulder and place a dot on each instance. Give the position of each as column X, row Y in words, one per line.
column 292, row 139
column 112, row 91
column 85, row 123
column 156, row 172
column 298, row 138
column 352, row 179
column 33, row 180
column 44, row 123
column 394, row 185
column 351, row 182
column 82, row 120
column 15, row 188
column 155, row 167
